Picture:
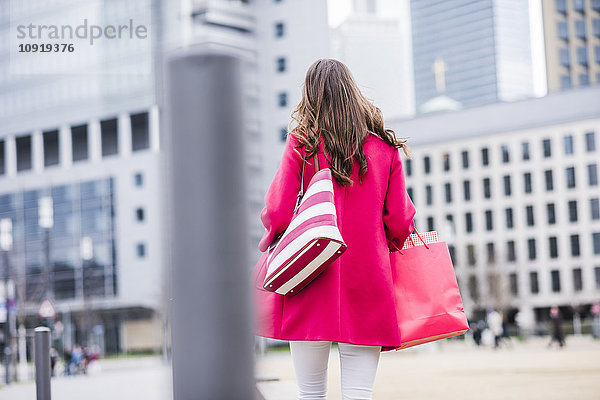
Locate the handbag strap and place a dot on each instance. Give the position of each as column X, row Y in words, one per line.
column 317, row 169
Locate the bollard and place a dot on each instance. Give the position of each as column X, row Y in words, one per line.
column 42, row 362
column 212, row 340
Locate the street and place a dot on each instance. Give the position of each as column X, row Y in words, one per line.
column 449, row 370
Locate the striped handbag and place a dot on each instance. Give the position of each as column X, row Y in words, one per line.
column 312, row 240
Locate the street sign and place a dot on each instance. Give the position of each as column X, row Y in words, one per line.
column 47, row 309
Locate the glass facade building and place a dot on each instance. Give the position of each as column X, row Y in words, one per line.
column 484, row 46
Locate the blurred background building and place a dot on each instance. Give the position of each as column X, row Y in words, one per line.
column 475, row 52
column 572, row 41
column 513, row 188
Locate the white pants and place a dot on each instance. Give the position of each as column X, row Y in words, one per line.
column 358, row 368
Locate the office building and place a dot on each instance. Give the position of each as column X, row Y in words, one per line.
column 572, row 43
column 513, row 189
column 475, row 52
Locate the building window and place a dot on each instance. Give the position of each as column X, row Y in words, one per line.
column 555, row 277
column 577, row 280
column 138, row 179
column 2, row 157
column 562, row 29
column 408, row 167
column 508, row 212
column 427, row 164
column 578, row 5
column 549, row 180
column 109, row 137
column 582, row 56
column 525, row 151
column 580, row 29
column 429, row 195
column 534, row 285
column 507, row 187
column 489, row 221
column 465, row 159
column 448, row 192
column 529, row 214
column 505, row 154
column 491, row 253
column 553, row 246
column 596, row 242
column 473, row 287
column 452, row 251
column 467, row 190
column 141, row 250
column 79, row 142
column 430, row 224
column 584, row 79
column 279, row 29
column 487, row 190
column 280, row 64
column 446, row 159
column 565, row 60
column 450, row 223
column 282, row 99
column 596, row 27
column 597, row 54
column 485, row 160
column 547, row 146
column 575, row 250
column 568, row 144
column 592, row 174
column 550, row 211
column 514, row 287
column 471, row 259
column 570, row 171
column 565, row 82
column 51, row 148
column 469, row 222
column 139, row 214
column 572, row 210
column 24, row 156
column 531, row 253
column 283, row 133
column 409, row 191
column 511, row 254
column 595, row 208
column 590, row 141
column 527, row 182
column 140, row 131
column 597, row 277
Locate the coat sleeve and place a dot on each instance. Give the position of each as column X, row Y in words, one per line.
column 281, row 196
column 398, row 209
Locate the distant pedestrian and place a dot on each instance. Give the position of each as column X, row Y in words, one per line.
column 557, row 330
column 494, row 322
column 53, row 359
column 475, row 329
column 596, row 320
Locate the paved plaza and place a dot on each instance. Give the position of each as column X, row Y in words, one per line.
column 451, row 370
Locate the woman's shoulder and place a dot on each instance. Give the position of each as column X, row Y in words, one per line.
column 375, row 142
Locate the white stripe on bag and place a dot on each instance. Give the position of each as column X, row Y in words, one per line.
column 330, row 250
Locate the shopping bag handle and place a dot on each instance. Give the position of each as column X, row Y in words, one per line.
column 413, row 243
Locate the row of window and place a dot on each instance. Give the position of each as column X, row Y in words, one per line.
column 592, row 175
column 577, row 5
column 572, row 207
column 505, row 154
column 580, row 29
column 109, row 137
column 582, row 56
column 534, row 282
column 510, row 253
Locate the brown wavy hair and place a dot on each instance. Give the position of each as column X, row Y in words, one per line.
column 333, row 106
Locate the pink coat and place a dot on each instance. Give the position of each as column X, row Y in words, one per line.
column 353, row 300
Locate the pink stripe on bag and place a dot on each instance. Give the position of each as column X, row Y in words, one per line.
column 319, row 220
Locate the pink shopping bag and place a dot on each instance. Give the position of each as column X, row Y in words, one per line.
column 428, row 302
